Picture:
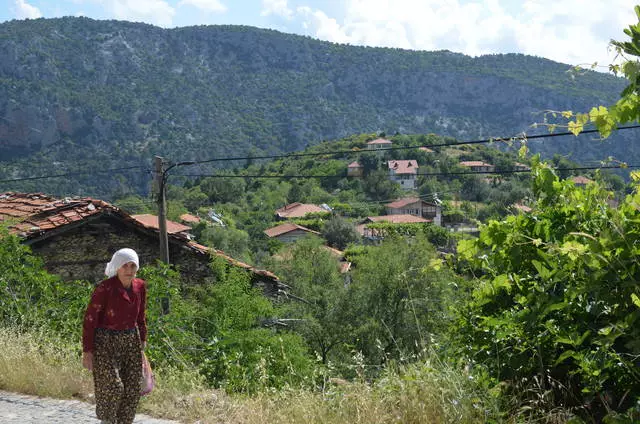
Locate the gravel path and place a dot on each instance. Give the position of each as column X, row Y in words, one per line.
column 24, row 409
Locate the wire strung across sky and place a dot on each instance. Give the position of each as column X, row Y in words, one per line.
column 73, row 174
column 391, row 149
column 426, row 174
column 338, row 152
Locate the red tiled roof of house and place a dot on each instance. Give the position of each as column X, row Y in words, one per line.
column 521, row 207
column 406, row 201
column 335, row 252
column 581, row 180
column 404, row 166
column 380, row 141
column 36, row 213
column 279, row 230
column 470, row 163
column 219, row 253
column 190, row 219
column 297, row 210
column 354, row 165
column 398, row 219
column 151, row 221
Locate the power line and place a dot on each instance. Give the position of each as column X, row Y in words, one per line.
column 427, row 174
column 390, row 149
column 72, row 174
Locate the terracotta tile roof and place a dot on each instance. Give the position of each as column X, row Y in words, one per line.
column 470, row 163
column 380, row 141
column 151, row 221
column 286, row 228
column 406, row 201
column 219, row 253
column 297, row 210
column 189, row 219
column 354, row 165
column 334, row 252
column 36, row 213
column 581, row 180
column 404, row 166
column 522, row 208
column 398, row 219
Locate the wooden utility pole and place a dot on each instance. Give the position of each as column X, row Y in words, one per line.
column 162, row 209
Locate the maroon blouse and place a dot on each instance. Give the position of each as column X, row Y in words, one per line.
column 114, row 308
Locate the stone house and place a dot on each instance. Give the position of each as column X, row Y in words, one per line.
column 354, row 169
column 77, row 236
column 289, row 232
column 375, row 234
column 404, row 172
column 379, row 145
column 478, row 166
column 581, row 181
column 297, row 210
column 415, row 206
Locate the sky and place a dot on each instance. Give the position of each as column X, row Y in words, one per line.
column 576, row 32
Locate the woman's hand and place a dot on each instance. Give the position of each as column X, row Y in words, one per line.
column 87, row 360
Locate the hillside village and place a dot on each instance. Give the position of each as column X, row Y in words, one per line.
column 384, row 190
column 336, row 252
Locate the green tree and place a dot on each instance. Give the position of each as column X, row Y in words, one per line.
column 339, row 232
column 313, row 274
column 399, row 302
column 557, row 306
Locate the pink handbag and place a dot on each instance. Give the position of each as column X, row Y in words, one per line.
column 148, row 380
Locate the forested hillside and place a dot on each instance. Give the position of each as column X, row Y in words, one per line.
column 111, row 94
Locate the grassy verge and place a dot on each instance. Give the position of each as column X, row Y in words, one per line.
column 425, row 392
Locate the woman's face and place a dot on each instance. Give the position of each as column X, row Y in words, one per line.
column 127, row 272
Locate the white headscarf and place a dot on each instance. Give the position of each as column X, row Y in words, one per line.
column 120, row 258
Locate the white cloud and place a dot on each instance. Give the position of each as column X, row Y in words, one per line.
column 569, row 31
column 157, row 12
column 214, row 6
column 24, row 10
column 276, row 7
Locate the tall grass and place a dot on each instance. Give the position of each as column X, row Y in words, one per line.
column 34, row 363
column 427, row 391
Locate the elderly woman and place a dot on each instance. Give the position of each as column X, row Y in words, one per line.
column 114, row 335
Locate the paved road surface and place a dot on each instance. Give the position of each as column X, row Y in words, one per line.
column 24, row 409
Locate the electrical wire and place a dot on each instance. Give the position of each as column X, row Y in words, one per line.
column 72, row 174
column 391, row 149
column 426, row 174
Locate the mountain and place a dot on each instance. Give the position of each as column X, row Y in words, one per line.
column 78, row 94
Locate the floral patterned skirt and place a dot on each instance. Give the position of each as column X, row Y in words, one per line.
column 117, row 370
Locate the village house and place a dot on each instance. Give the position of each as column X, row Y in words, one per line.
column 478, row 166
column 354, row 169
column 188, row 219
column 288, row 232
column 520, row 208
column 297, row 210
column 76, row 237
column 379, row 145
column 521, row 167
column 581, row 181
column 151, row 221
column 404, row 172
column 376, row 234
column 416, row 206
